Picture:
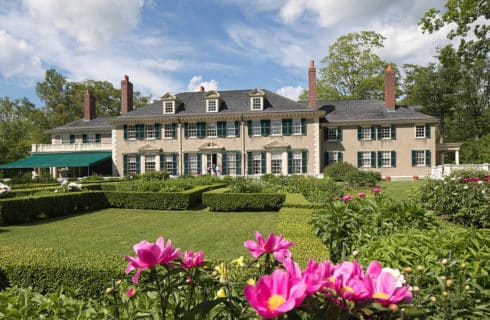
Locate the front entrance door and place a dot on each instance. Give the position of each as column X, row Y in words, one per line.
column 211, row 163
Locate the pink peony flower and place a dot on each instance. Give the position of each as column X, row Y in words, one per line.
column 376, row 189
column 387, row 285
column 130, row 292
column 347, row 281
column 362, row 195
column 274, row 244
column 192, row 259
column 347, row 197
column 275, row 294
column 149, row 255
column 317, row 275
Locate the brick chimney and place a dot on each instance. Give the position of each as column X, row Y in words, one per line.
column 89, row 106
column 312, row 85
column 126, row 95
column 201, row 89
column 390, row 88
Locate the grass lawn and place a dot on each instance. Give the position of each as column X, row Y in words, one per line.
column 220, row 235
column 398, row 190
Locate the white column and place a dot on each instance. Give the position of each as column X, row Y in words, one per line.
column 457, row 157
column 442, row 157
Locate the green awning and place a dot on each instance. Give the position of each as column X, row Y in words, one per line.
column 59, row 160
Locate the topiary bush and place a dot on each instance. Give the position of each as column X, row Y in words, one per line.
column 363, row 178
column 225, row 200
column 339, row 171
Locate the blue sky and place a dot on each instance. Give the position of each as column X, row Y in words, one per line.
column 175, row 46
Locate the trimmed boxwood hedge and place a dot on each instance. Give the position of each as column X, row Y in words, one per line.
column 47, row 270
column 224, row 201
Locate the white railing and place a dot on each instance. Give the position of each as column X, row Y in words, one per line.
column 39, row 148
column 441, row 171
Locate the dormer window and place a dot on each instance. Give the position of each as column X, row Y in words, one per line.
column 168, row 107
column 256, row 99
column 212, row 105
column 170, row 103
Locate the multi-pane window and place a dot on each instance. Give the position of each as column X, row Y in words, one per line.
column 276, row 163
column 192, row 130
column 256, row 128
column 297, row 162
column 193, row 164
column 420, row 158
column 231, row 162
column 168, row 107
column 211, row 130
column 257, row 163
column 132, row 164
column 366, row 159
column 168, row 132
column 212, row 105
column 150, row 131
column 276, row 127
column 66, row 139
column 297, row 126
column 365, row 133
column 169, row 164
column 385, row 132
column 230, row 129
column 149, row 163
column 333, row 157
column 332, row 134
column 131, row 132
column 256, row 103
column 420, row 131
column 386, row 158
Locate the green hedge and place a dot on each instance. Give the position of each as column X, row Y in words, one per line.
column 47, row 270
column 25, row 209
column 224, row 201
column 297, row 200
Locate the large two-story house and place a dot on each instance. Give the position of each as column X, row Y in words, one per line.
column 248, row 132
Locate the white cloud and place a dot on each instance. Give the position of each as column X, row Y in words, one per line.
column 290, row 92
column 196, row 82
column 17, row 58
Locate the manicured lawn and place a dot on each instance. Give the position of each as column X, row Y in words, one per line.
column 398, row 190
column 220, row 235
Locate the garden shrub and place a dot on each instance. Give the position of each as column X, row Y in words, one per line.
column 363, row 178
column 26, row 209
column 47, row 270
column 339, row 171
column 246, row 185
column 449, row 265
column 344, row 226
column 469, row 173
column 465, row 201
column 224, row 200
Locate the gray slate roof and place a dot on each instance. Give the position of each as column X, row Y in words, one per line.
column 231, row 102
column 99, row 123
column 369, row 110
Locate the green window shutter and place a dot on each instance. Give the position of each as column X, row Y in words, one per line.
column 249, row 162
column 359, row 159
column 373, row 159
column 340, row 156
column 427, row 158
column 265, row 127
column 162, row 162
column 138, row 164
column 140, row 131
column 303, row 127
column 84, row 138
column 359, row 133
column 373, row 132
column 238, row 165
column 378, row 128
column 72, row 138
column 325, row 134
column 380, row 159
column 393, row 132
column 125, row 128
column 186, row 130
column 174, row 130
column 97, row 138
column 414, row 158
column 427, row 131
column 186, row 164
column 287, row 127
column 290, row 162
column 264, row 163
column 393, row 159
column 174, row 164
column 237, row 128
column 221, row 129
column 125, row 165
column 201, row 129
column 249, row 126
column 304, row 162
column 224, row 163
column 326, row 160
column 199, row 163
column 157, row 131
column 339, row 134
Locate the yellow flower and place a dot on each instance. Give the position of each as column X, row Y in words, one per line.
column 240, row 262
column 222, row 270
column 108, row 290
column 251, row 282
column 221, row 293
